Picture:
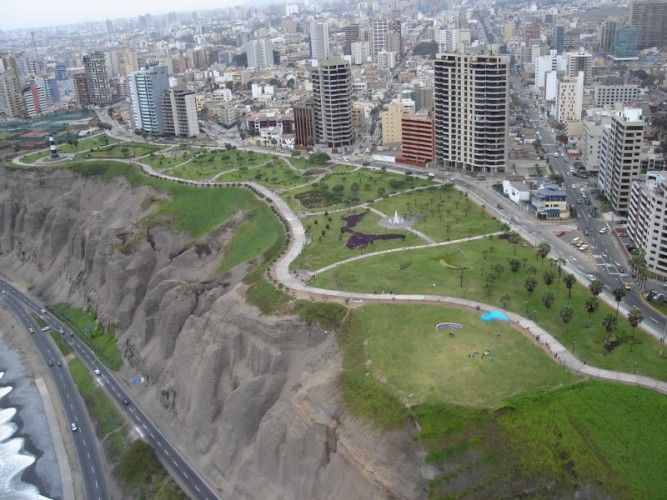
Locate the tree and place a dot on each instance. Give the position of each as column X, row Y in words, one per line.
column 595, row 287
column 514, row 239
column 618, row 293
column 609, row 322
column 591, row 305
column 569, row 281
column 505, row 300
column 543, row 250
column 548, row 300
column 548, row 277
column 566, row 313
column 561, row 262
column 515, row 264
column 505, row 228
column 634, row 318
column 529, row 284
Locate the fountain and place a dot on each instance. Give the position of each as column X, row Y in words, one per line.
column 396, row 221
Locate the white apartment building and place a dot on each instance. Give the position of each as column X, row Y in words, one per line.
column 181, row 113
column 360, row 52
column 147, row 88
column 471, row 111
column 550, row 86
column 647, row 221
column 319, row 41
column 379, row 35
column 608, row 95
column 386, row 59
column 569, row 98
column 590, row 151
column 580, row 61
column 260, row 53
column 620, row 157
column 544, row 64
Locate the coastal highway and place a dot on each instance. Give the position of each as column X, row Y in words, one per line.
column 193, row 484
column 75, row 409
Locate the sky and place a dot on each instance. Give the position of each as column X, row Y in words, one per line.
column 15, row 14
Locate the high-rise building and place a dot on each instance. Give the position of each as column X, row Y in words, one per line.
column 228, row 116
column 531, row 33
column 10, row 88
column 360, row 52
column 580, row 61
column 380, row 29
column 647, row 221
column 391, row 123
column 351, row 35
column 50, row 85
column 61, row 72
column 332, row 106
column 147, row 88
column 81, row 89
column 607, row 33
column 304, row 129
column 625, row 42
column 591, row 146
column 545, row 64
column 471, row 111
column 569, row 98
column 417, row 140
column 558, row 39
column 319, row 41
column 608, row 95
column 395, row 38
column 423, row 97
column 620, row 157
column 180, row 111
column 650, row 19
column 34, row 99
column 97, row 80
column 260, row 53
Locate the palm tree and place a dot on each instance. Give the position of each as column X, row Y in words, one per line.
column 595, row 287
column 566, row 314
column 548, row 300
column 591, row 305
column 514, row 266
column 548, row 278
column 514, row 239
column 543, row 250
column 569, row 281
column 609, row 322
column 529, row 284
column 505, row 228
column 505, row 300
column 634, row 318
column 561, row 262
column 618, row 293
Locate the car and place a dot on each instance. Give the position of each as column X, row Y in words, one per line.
column 586, row 232
column 43, row 311
column 49, row 362
column 61, row 331
column 125, row 402
column 96, row 371
column 58, row 363
column 73, row 426
column 590, row 277
column 627, row 286
column 46, row 328
column 575, row 240
column 499, row 206
column 603, row 230
column 559, row 233
column 31, row 330
column 4, row 292
column 583, row 248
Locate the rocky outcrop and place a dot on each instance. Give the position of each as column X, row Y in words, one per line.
column 253, row 400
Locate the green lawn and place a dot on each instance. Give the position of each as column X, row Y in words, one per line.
column 109, row 425
column 275, row 175
column 122, row 150
column 419, row 270
column 349, row 188
column 403, row 349
column 327, row 245
column 442, row 213
column 169, row 159
column 96, row 141
column 101, row 340
column 208, row 163
column 63, row 346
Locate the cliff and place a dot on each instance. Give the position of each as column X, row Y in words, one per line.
column 253, row 400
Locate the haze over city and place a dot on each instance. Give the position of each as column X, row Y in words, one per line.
column 306, row 250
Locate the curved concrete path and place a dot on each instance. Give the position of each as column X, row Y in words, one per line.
column 297, row 241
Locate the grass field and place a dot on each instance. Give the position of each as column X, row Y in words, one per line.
column 63, row 346
column 419, row 270
column 442, row 213
column 274, row 175
column 101, row 340
column 402, row 348
column 327, row 248
column 348, row 188
column 122, row 150
column 167, row 160
column 96, row 141
column 109, row 425
column 208, row 163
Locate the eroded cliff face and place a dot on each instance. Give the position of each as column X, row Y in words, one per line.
column 253, row 400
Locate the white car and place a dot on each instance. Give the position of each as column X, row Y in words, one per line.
column 96, row 371
column 583, row 248
column 73, row 427
column 590, row 277
column 603, row 230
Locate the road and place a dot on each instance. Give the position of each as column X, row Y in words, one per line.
column 91, row 464
column 184, row 474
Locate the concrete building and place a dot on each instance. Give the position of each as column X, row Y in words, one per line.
column 391, row 123
column 550, row 86
column 97, row 80
column 624, row 46
column 545, row 64
column 386, row 59
column 260, row 53
column 590, row 151
column 319, row 41
column 380, row 30
column 228, row 116
column 34, row 99
column 517, row 192
column 531, row 33
column 471, row 111
column 81, row 89
column 550, row 202
column 620, row 157
column 180, row 109
column 304, row 128
column 423, row 97
column 332, row 105
column 569, row 98
column 580, row 61
column 417, row 140
column 650, row 19
column 608, row 95
column 147, row 88
column 360, row 52
column 558, row 39
column 11, row 97
column 351, row 35
column 607, row 33
column 647, row 221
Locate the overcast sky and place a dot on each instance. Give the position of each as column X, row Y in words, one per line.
column 16, row 14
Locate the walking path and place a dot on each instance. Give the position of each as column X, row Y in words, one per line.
column 427, row 239
column 297, row 241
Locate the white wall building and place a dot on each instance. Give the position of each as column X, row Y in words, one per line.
column 544, row 64
column 319, row 41
column 260, row 53
column 580, row 61
column 569, row 98
column 516, row 191
column 608, row 95
column 360, row 52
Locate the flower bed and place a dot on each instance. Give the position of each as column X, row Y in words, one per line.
column 361, row 240
column 351, row 221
